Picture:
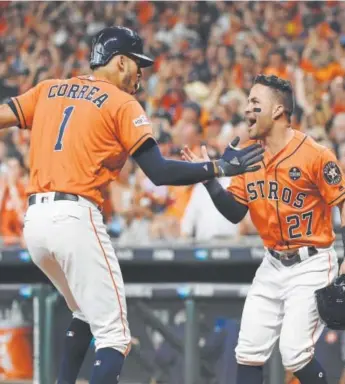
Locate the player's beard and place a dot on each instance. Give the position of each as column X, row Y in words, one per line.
column 260, row 130
column 127, row 83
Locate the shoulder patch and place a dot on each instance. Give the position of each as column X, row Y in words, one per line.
column 332, row 173
column 141, row 120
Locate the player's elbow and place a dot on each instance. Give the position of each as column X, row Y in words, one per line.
column 234, row 215
column 235, row 220
column 157, row 180
column 239, row 216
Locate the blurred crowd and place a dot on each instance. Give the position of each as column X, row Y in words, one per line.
column 207, row 55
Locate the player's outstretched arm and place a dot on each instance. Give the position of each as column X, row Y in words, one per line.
column 222, row 199
column 7, row 117
column 162, row 171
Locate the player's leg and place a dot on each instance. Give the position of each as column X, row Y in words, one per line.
column 78, row 335
column 260, row 324
column 301, row 325
column 94, row 276
column 77, row 340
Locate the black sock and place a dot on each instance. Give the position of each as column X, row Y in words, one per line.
column 77, row 341
column 249, row 374
column 312, row 373
column 107, row 367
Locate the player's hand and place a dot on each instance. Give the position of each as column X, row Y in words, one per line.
column 236, row 161
column 191, row 157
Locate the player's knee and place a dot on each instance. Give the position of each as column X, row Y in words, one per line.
column 124, row 349
column 71, row 307
column 121, row 344
column 294, row 359
column 71, row 304
column 246, row 356
column 77, row 314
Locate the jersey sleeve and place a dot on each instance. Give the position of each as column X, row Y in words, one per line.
column 237, row 188
column 329, row 178
column 133, row 126
column 25, row 105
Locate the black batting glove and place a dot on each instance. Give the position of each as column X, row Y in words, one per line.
column 236, row 161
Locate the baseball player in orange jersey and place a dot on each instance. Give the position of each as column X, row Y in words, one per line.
column 82, row 131
column 289, row 200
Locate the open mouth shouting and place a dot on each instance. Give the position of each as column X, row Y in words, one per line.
column 251, row 122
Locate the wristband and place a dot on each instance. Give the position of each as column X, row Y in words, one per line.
column 216, row 168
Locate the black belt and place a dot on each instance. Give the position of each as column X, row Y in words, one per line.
column 293, row 258
column 58, row 196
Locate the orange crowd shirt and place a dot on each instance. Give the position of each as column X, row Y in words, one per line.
column 328, row 73
column 82, row 131
column 11, row 217
column 290, row 198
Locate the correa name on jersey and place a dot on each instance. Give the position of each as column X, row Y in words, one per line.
column 75, row 91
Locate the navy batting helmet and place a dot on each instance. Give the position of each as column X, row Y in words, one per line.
column 331, row 303
column 113, row 41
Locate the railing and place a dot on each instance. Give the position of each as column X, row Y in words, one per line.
column 140, row 297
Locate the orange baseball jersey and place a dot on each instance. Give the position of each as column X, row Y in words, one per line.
column 291, row 197
column 82, row 131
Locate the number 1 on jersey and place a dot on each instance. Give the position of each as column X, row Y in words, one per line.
column 66, row 116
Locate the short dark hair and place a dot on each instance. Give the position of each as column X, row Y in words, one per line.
column 282, row 88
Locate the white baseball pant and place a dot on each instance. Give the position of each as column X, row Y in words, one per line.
column 68, row 241
column 281, row 303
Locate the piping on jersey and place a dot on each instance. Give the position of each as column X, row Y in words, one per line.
column 276, row 179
